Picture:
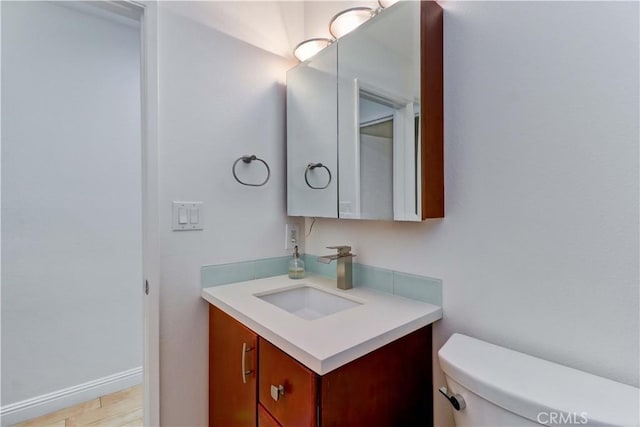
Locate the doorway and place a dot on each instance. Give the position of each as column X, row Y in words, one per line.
column 74, row 200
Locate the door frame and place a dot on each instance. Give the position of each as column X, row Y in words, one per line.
column 150, row 200
column 147, row 10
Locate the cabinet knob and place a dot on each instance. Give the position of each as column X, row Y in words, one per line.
column 277, row 391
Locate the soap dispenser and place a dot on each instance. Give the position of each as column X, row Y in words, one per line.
column 296, row 265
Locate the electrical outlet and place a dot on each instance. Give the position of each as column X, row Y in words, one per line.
column 290, row 236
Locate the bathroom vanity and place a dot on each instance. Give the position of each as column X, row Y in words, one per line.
column 303, row 353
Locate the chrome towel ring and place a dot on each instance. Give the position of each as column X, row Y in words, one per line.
column 312, row 166
column 247, row 160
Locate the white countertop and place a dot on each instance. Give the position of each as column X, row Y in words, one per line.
column 329, row 342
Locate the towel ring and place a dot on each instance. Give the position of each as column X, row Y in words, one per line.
column 312, row 166
column 247, row 160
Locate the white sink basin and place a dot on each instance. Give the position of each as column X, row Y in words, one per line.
column 308, row 302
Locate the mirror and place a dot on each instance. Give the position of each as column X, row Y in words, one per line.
column 312, row 108
column 378, row 105
column 383, row 164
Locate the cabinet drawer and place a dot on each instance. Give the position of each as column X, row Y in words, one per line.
column 296, row 404
column 265, row 419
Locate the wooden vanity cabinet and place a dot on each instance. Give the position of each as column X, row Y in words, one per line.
column 391, row 386
column 233, row 381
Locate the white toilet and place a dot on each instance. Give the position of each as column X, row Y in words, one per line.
column 497, row 387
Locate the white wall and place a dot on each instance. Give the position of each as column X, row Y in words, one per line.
column 539, row 247
column 275, row 26
column 220, row 98
column 71, row 199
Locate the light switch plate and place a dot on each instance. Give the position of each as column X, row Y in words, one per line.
column 187, row 216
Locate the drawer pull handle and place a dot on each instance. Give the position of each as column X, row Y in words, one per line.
column 276, row 392
column 245, row 372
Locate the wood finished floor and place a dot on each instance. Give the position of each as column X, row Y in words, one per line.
column 120, row 409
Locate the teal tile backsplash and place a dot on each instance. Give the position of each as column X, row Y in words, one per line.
column 372, row 277
column 271, row 267
column 420, row 288
column 222, row 274
column 312, row 265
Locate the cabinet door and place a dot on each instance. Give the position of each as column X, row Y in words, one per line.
column 265, row 419
column 232, row 372
column 296, row 404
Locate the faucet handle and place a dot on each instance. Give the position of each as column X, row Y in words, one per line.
column 343, row 250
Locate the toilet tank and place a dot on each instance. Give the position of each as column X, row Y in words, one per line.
column 499, row 384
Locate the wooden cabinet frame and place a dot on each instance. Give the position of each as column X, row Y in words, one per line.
column 432, row 109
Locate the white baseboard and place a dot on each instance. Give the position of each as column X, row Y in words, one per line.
column 40, row 405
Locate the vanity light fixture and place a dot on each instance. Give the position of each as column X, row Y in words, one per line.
column 306, row 49
column 348, row 20
column 386, row 3
column 341, row 24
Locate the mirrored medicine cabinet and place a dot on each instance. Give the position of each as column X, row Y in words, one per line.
column 365, row 121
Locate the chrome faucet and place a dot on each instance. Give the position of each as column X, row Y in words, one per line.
column 344, row 265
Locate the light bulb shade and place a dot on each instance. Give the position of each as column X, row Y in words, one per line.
column 310, row 47
column 348, row 20
column 386, row 3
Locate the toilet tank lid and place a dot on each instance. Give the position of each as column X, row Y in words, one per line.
column 529, row 386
